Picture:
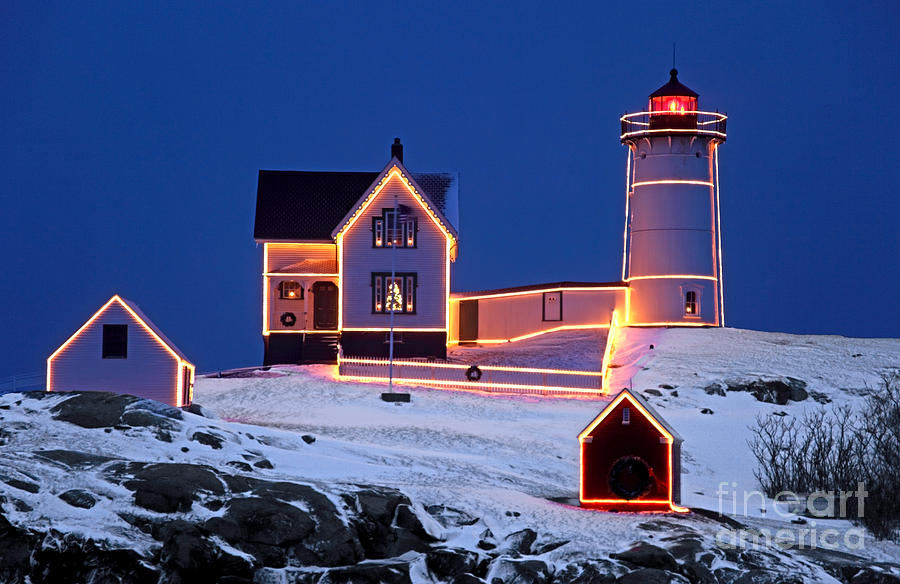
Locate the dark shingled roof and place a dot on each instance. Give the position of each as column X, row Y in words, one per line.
column 308, row 205
column 674, row 87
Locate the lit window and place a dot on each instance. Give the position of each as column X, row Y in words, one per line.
column 394, row 294
column 290, row 290
column 378, row 228
column 115, row 341
column 626, row 415
column 394, row 229
column 410, row 286
column 691, row 307
column 378, row 287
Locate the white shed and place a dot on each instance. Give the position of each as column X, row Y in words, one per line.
column 119, row 349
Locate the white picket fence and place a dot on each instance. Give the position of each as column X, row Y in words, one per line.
column 493, row 378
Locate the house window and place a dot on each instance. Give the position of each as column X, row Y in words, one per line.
column 378, row 294
column 626, row 416
column 290, row 290
column 115, row 341
column 378, row 230
column 394, row 294
column 691, row 306
column 394, row 229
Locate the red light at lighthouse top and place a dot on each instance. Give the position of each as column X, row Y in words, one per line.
column 673, row 105
column 674, row 110
column 673, row 97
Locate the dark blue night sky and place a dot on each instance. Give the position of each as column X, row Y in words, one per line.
column 132, row 136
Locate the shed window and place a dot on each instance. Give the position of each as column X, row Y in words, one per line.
column 290, row 290
column 115, row 341
column 691, row 306
column 394, row 229
column 394, row 294
column 626, row 415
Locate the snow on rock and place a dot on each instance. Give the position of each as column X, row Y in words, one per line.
column 698, row 357
column 502, row 458
column 302, row 478
column 691, row 370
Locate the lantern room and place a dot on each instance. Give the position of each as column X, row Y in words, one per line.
column 673, row 105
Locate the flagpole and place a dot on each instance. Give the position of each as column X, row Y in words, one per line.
column 392, row 298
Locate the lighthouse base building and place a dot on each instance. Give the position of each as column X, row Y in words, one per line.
column 360, row 262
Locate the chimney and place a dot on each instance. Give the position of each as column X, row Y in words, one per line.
column 397, row 150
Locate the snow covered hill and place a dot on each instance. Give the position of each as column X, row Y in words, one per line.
column 509, row 462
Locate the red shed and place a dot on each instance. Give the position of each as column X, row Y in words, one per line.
column 630, row 458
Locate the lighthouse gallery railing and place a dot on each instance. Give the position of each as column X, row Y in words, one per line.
column 638, row 124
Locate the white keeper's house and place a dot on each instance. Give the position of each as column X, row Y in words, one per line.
column 331, row 242
column 346, row 254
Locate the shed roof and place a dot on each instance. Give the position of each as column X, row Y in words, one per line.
column 139, row 316
column 643, row 403
column 146, row 320
column 298, row 205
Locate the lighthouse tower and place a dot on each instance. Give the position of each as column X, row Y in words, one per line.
column 672, row 258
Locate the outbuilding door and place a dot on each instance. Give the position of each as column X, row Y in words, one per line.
column 187, row 389
column 468, row 321
column 325, row 299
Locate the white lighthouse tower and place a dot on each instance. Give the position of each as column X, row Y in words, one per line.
column 672, row 258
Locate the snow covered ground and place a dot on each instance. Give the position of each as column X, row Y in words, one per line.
column 576, row 350
column 715, row 450
column 494, row 454
column 505, row 459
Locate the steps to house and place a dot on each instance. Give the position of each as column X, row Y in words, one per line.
column 320, row 348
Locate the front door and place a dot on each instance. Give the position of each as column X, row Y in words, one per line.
column 325, row 301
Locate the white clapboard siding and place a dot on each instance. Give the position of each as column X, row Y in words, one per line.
column 303, row 308
column 149, row 371
column 512, row 316
column 301, row 258
column 428, row 260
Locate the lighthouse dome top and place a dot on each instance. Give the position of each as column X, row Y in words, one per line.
column 674, row 87
column 674, row 97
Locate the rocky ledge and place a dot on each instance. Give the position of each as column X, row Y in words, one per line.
column 104, row 510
